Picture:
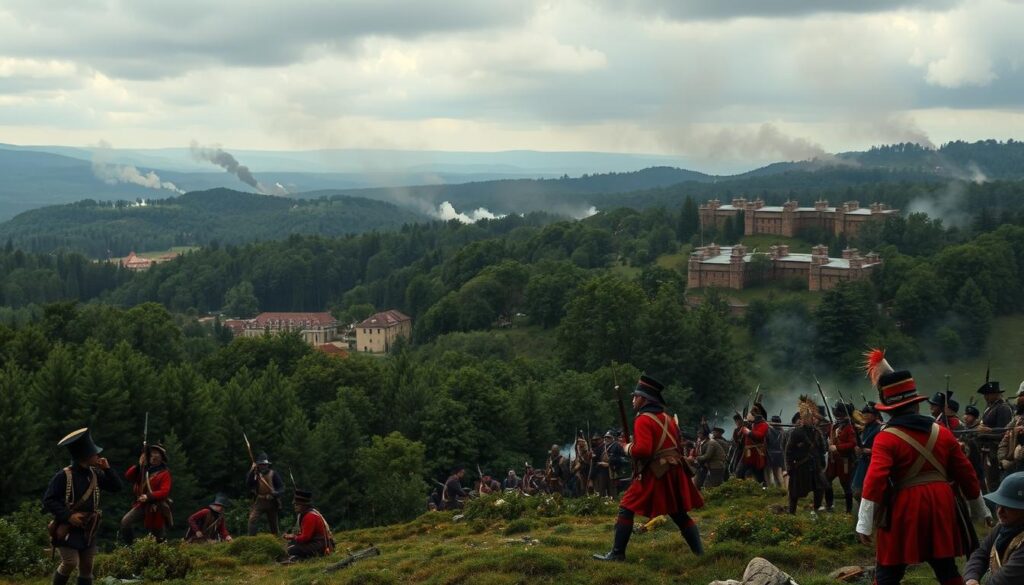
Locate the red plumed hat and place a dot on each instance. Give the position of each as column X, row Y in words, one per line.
column 895, row 388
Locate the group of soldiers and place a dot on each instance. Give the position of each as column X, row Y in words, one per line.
column 920, row 480
column 596, row 467
column 73, row 498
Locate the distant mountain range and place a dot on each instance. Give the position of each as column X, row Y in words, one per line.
column 333, row 203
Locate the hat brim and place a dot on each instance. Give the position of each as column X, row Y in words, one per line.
column 998, row 500
column 912, row 400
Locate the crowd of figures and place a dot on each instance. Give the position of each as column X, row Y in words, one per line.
column 917, row 482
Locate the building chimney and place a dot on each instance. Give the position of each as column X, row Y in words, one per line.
column 783, row 250
column 819, row 255
column 849, row 253
column 739, row 202
column 821, row 205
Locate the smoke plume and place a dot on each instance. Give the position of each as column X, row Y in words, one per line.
column 447, row 212
column 112, row 174
column 229, row 163
column 766, row 142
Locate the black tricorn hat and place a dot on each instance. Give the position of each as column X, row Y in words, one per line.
column 221, row 500
column 458, row 468
column 717, row 430
column 650, row 389
column 776, row 419
column 159, row 449
column 990, row 388
column 869, row 408
column 953, row 405
column 303, row 497
column 842, row 409
column 263, row 459
column 80, row 444
column 940, row 398
column 972, row 410
column 759, row 410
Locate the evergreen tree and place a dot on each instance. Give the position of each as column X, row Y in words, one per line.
column 689, row 221
column 662, row 333
column 101, row 403
column 390, row 471
column 55, row 400
column 598, row 326
column 187, row 494
column 22, row 466
column 240, row 301
column 973, row 316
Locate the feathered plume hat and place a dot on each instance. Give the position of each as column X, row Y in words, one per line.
column 895, row 389
column 806, row 407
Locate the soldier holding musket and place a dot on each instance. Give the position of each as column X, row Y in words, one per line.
column 73, row 498
column 1011, row 446
column 662, row 481
column 151, row 484
column 997, row 415
column 266, row 486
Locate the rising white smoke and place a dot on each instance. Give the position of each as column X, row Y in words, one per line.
column 228, row 162
column 112, row 174
column 447, row 212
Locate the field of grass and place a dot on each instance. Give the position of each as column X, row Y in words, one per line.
column 763, row 292
column 550, row 542
column 675, row 261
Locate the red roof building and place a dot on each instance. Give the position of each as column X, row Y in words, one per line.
column 316, row 328
column 377, row 333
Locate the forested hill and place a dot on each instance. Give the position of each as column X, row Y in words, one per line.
column 197, row 218
column 565, row 195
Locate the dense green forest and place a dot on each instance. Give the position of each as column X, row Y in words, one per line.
column 103, row 229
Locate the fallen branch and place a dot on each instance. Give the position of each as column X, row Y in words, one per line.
column 353, row 557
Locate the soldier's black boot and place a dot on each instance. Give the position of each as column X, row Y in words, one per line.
column 691, row 534
column 849, row 503
column 59, row 579
column 84, row 581
column 623, row 530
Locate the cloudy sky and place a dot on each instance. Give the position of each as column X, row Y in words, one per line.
column 704, row 79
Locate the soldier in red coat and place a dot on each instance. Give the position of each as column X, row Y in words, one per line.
column 662, row 482
column 842, row 443
column 314, row 538
column 151, row 480
column 208, row 525
column 755, row 444
column 908, row 496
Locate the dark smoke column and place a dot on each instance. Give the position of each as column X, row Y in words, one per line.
column 227, row 162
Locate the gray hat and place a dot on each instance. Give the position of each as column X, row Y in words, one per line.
column 1010, row 493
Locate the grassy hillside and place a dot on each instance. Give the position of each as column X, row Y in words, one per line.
column 544, row 540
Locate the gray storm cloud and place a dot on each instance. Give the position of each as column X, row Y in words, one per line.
column 764, row 142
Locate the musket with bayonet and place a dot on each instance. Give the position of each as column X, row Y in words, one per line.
column 828, row 411
column 849, row 414
column 143, row 479
column 254, row 468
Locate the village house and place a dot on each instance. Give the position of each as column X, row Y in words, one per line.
column 790, row 219
column 316, row 329
column 734, row 268
column 378, row 332
column 136, row 263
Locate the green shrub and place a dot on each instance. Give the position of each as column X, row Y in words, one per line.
column 20, row 554
column 591, row 506
column 496, row 507
column 257, row 550
column 760, row 529
column 148, row 559
column 550, row 505
column 31, row 521
column 831, row 531
column 737, row 488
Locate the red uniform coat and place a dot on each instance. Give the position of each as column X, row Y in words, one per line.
column 648, row 495
column 840, row 462
column 313, row 527
column 755, row 447
column 160, row 482
column 923, row 524
column 197, row 521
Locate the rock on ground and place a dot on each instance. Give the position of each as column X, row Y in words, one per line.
column 760, row 572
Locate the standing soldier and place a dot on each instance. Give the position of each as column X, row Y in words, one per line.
column 805, row 456
column 712, row 462
column 908, row 491
column 842, row 443
column 152, row 489
column 73, row 498
column 314, row 538
column 755, row 445
column 997, row 415
column 662, row 483
column 208, row 525
column 266, row 487
column 603, row 471
column 776, row 459
column 453, row 495
column 735, row 451
column 718, row 435
column 952, row 409
column 969, row 440
column 867, row 439
column 582, row 466
column 1011, row 447
column 556, row 471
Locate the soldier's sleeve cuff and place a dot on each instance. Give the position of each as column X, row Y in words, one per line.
column 629, row 449
column 979, row 511
column 866, row 518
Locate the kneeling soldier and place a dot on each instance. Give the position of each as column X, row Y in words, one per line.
column 208, row 525
column 314, row 538
column 151, row 481
column 1002, row 553
column 73, row 497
